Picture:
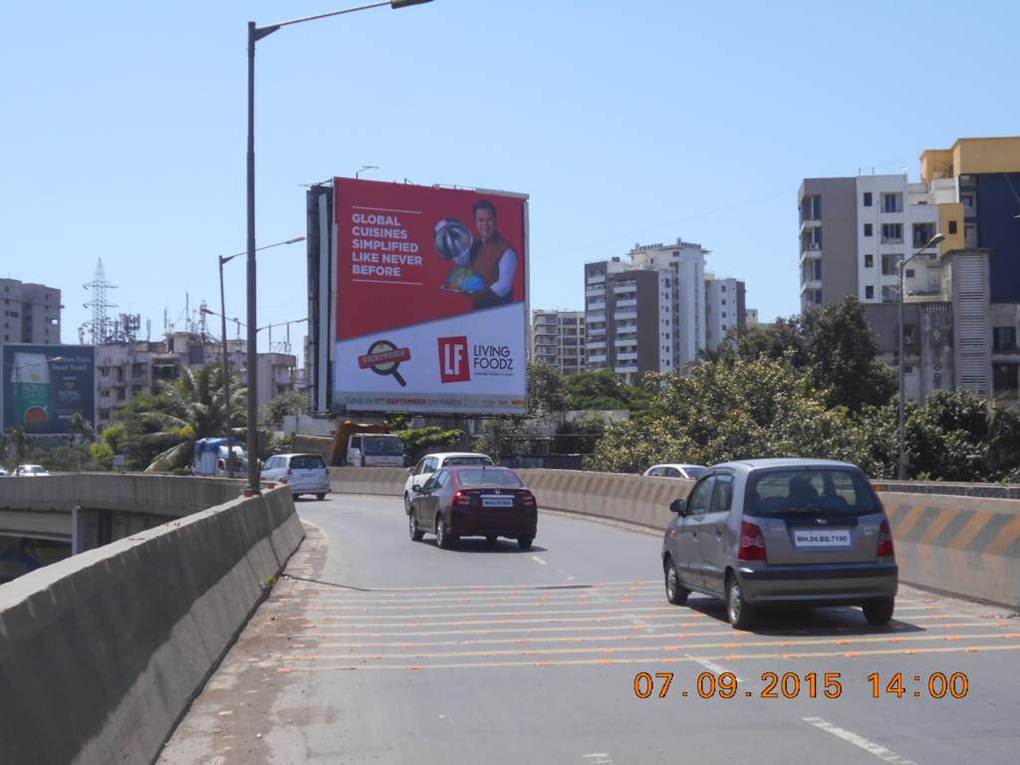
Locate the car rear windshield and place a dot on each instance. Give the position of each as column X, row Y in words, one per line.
column 829, row 490
column 307, row 462
column 390, row 447
column 695, row 472
column 450, row 461
column 491, row 477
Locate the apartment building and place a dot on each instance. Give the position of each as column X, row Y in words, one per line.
column 123, row 370
column 724, row 308
column 31, row 313
column 962, row 298
column 855, row 231
column 647, row 313
column 558, row 339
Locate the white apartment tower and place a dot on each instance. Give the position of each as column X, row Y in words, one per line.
column 558, row 339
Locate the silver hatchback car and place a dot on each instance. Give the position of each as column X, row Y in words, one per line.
column 782, row 532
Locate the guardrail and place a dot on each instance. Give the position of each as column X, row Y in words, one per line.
column 961, row 545
column 101, row 653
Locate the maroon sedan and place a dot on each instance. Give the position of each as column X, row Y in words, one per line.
column 472, row 501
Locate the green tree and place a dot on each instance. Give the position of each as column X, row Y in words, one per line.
column 728, row 410
column 545, row 390
column 949, row 437
column 287, row 403
column 431, row 438
column 834, row 345
column 162, row 429
column 579, row 436
column 603, row 390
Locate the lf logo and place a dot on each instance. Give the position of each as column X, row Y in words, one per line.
column 453, row 360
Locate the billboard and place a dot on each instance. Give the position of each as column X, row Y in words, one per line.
column 44, row 386
column 431, row 299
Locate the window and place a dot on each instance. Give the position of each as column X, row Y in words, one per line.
column 724, row 301
column 892, row 203
column 1003, row 339
column 701, row 496
column 908, row 334
column 890, row 263
column 923, row 232
column 869, row 293
column 910, row 273
column 967, row 200
column 952, row 227
column 867, row 229
column 724, row 288
column 892, row 233
column 867, row 199
column 818, row 269
column 830, row 489
column 1004, row 378
column 869, row 261
column 722, row 495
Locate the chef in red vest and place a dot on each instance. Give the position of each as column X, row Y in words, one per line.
column 492, row 257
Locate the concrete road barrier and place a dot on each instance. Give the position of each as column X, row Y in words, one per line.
column 962, row 545
column 101, row 654
column 958, row 544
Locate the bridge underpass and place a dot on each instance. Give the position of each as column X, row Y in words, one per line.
column 373, row 648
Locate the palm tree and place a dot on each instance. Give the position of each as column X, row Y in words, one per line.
column 193, row 407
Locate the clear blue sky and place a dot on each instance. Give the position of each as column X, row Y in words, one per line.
column 123, row 128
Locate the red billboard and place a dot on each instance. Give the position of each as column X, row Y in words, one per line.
column 431, row 309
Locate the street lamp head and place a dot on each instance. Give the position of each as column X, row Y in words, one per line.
column 395, row 4
column 296, row 239
column 936, row 240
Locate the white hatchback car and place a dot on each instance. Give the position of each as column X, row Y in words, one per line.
column 430, row 463
column 674, row 470
column 305, row 473
column 31, row 471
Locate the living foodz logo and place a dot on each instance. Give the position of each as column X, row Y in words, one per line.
column 454, row 364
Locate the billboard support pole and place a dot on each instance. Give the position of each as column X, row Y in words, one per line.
column 226, row 372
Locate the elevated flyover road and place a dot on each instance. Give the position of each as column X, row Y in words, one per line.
column 376, row 649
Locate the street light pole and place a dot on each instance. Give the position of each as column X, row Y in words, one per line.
column 223, row 260
column 226, row 370
column 935, row 240
column 254, row 35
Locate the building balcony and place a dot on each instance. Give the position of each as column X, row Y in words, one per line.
column 626, row 370
column 628, row 303
column 597, row 346
column 624, row 315
column 810, row 251
column 595, row 292
column 597, row 359
column 622, row 357
column 623, row 341
column 597, row 305
column 592, row 281
column 812, row 284
column 595, row 316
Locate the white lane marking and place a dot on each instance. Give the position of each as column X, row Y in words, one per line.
column 711, row 666
column 539, row 561
column 564, row 573
column 850, row 737
column 599, row 758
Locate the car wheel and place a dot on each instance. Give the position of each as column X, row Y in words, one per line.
column 443, row 539
column 412, row 528
column 879, row 612
column 320, row 497
column 490, row 541
column 738, row 610
column 676, row 593
column 525, row 542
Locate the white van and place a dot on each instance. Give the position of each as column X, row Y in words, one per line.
column 305, row 473
column 375, row 450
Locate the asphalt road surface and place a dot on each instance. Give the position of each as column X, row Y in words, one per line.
column 376, row 649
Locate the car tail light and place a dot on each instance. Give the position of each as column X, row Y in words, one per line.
column 460, row 499
column 885, row 545
column 752, row 542
column 528, row 501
